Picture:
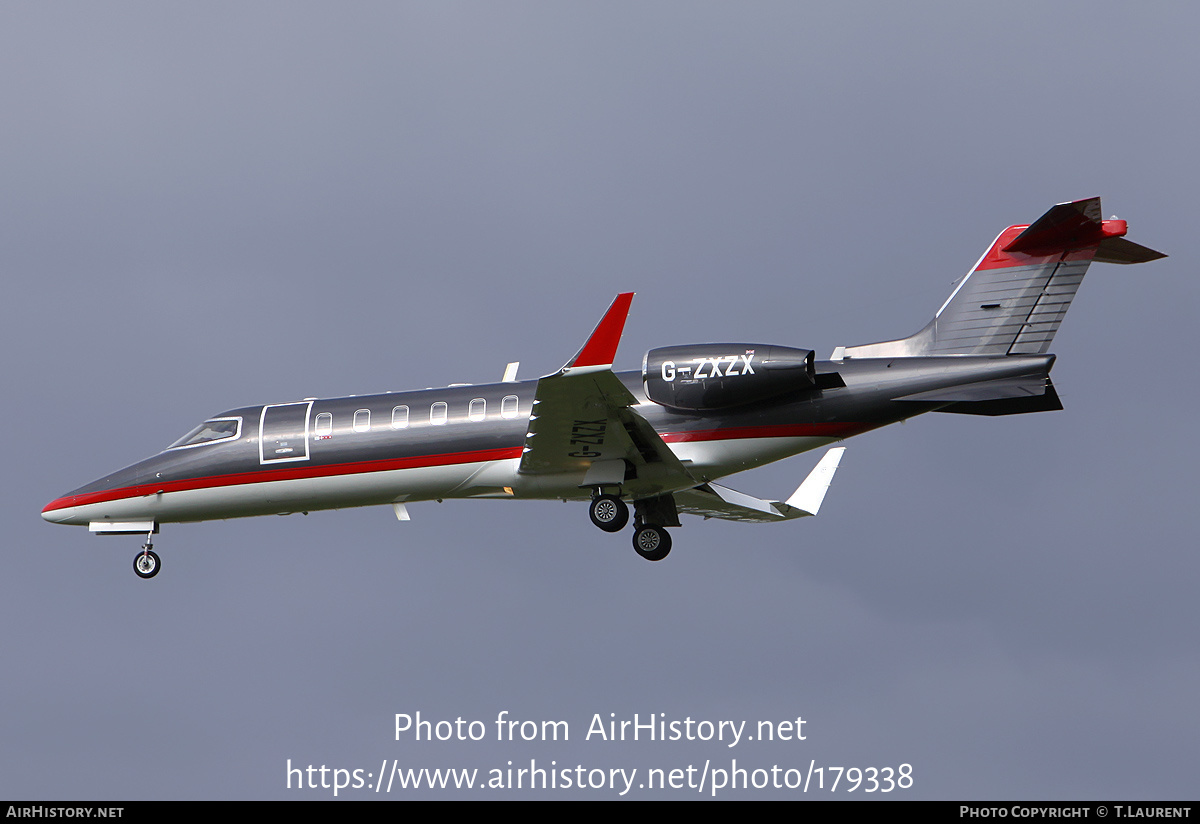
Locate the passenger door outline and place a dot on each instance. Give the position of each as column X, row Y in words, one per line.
column 278, row 428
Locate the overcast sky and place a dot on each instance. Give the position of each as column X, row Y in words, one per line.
column 214, row 205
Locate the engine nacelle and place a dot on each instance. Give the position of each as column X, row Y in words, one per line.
column 721, row 375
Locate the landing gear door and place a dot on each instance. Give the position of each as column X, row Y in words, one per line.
column 283, row 432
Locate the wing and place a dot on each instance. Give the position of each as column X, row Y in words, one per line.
column 583, row 428
column 716, row 501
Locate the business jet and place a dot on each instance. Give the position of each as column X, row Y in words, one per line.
column 658, row 439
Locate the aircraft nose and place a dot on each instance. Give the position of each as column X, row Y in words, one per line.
column 58, row 511
column 79, row 507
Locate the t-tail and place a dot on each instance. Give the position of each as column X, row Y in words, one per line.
column 1013, row 300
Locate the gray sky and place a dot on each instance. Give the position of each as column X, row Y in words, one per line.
column 214, row 205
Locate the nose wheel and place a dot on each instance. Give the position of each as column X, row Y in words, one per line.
column 146, row 563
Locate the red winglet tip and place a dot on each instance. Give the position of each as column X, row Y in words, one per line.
column 601, row 347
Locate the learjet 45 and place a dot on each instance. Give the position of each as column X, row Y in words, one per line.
column 658, row 439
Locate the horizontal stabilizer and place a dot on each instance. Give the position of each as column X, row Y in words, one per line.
column 1120, row 250
column 1066, row 226
column 1046, row 402
column 1025, row 386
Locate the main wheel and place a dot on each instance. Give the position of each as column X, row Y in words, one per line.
column 146, row 564
column 651, row 542
column 609, row 513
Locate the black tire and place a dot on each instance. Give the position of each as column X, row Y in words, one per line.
column 609, row 513
column 146, row 564
column 651, row 542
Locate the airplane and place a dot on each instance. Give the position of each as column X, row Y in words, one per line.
column 658, row 439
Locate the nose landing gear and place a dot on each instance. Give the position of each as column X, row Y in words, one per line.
column 146, row 563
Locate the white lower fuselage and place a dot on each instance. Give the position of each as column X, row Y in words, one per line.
column 707, row 459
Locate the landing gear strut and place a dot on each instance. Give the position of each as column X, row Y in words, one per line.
column 146, row 563
column 650, row 539
column 609, row 513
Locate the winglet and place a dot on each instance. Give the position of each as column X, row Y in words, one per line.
column 601, row 347
column 808, row 497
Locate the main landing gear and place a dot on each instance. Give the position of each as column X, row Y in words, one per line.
column 146, row 563
column 609, row 513
column 650, row 540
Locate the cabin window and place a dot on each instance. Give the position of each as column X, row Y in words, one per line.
column 362, row 420
column 400, row 417
column 508, row 406
column 477, row 410
column 437, row 413
column 323, row 426
column 217, row 429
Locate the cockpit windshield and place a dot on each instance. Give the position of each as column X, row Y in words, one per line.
column 217, row 429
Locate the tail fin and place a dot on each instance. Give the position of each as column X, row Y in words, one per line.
column 1014, row 299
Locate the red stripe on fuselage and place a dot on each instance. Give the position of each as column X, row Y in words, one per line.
column 289, row 474
column 803, row 430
